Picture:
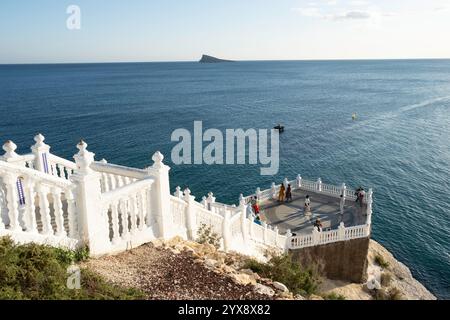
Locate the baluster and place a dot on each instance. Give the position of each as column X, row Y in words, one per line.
column 30, row 215
column 142, row 210
column 112, row 182
column 118, row 181
column 148, row 203
column 124, row 218
column 44, row 210
column 69, row 173
column 126, row 181
column 58, row 210
column 12, row 202
column 71, row 212
column 58, row 171
column 133, row 213
column 104, row 181
column 115, row 222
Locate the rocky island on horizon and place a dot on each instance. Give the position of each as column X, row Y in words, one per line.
column 210, row 59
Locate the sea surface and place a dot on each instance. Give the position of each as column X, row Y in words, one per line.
column 399, row 144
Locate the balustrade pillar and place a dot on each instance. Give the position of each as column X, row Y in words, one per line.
column 210, row 200
column 243, row 213
column 30, row 209
column 93, row 226
column 319, row 185
column 191, row 219
column 123, row 206
column 258, row 193
column 178, row 194
column 10, row 181
column 41, row 152
column 72, row 214
column 273, row 190
column 226, row 230
column 342, row 201
column 44, row 210
column 161, row 196
column 58, row 211
column 288, row 243
column 299, row 181
column 341, row 231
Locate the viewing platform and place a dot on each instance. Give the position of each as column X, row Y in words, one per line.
column 291, row 215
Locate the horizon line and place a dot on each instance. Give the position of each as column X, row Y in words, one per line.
column 197, row 61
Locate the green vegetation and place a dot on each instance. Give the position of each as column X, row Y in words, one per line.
column 388, row 294
column 205, row 234
column 39, row 272
column 333, row 296
column 299, row 279
column 381, row 262
column 386, row 279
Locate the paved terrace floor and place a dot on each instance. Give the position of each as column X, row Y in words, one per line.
column 291, row 215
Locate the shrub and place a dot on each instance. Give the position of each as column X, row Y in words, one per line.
column 39, row 272
column 386, row 279
column 333, row 296
column 300, row 280
column 205, row 234
column 381, row 262
column 395, row 294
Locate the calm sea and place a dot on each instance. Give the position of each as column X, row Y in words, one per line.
column 399, row 145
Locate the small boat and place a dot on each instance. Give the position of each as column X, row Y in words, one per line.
column 354, row 116
column 279, row 127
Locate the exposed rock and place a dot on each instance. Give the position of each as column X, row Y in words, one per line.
column 402, row 279
column 211, row 263
column 280, row 286
column 262, row 289
column 243, row 278
column 315, row 297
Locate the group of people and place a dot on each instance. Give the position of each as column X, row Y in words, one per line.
column 285, row 194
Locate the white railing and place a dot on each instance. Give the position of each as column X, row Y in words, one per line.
column 37, row 206
column 178, row 208
column 47, row 199
column 61, row 167
column 128, row 211
column 211, row 219
column 115, row 176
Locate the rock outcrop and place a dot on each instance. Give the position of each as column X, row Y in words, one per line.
column 180, row 269
column 209, row 59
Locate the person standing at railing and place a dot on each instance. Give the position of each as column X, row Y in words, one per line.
column 307, row 209
column 289, row 193
column 255, row 205
column 281, row 194
column 318, row 225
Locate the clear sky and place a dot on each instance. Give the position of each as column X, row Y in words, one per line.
column 34, row 31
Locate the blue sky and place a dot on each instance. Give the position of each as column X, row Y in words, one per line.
column 34, row 31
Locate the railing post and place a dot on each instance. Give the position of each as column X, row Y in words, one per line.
column 210, row 200
column 299, row 181
column 273, row 190
column 41, row 152
column 288, row 243
column 161, row 196
column 226, row 232
column 369, row 210
column 258, row 193
column 10, row 181
column 265, row 231
column 341, row 231
column 315, row 236
column 275, row 229
column 178, row 192
column 93, row 220
column 10, row 151
column 342, row 203
column 243, row 210
column 191, row 219
column 319, row 184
